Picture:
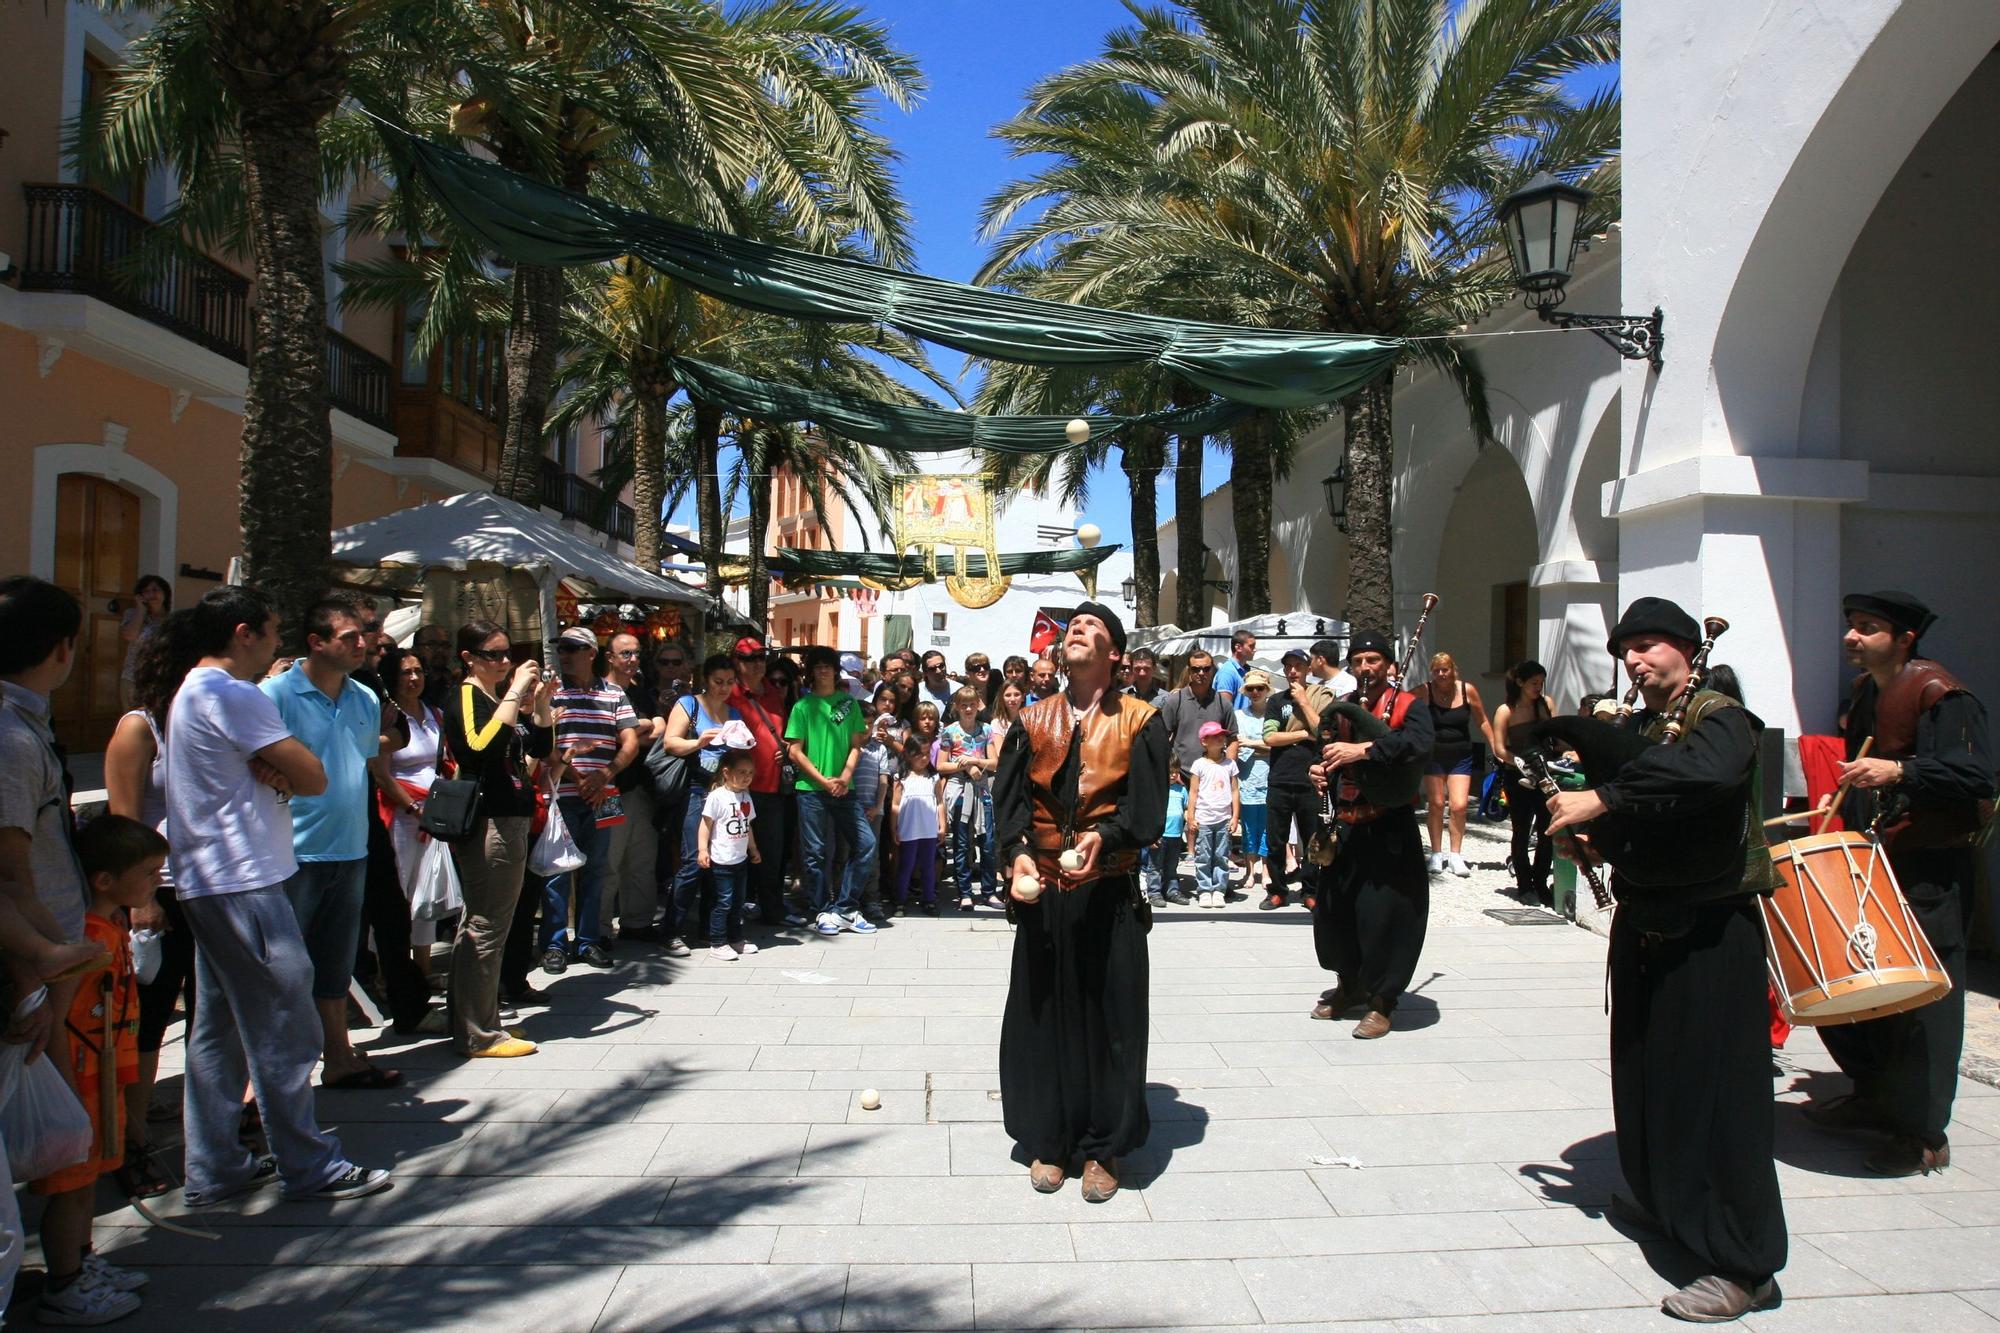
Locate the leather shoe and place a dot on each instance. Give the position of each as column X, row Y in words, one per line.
column 1100, row 1180
column 1371, row 1027
column 1846, row 1114
column 1272, row 902
column 1717, row 1300
column 1046, row 1177
column 1906, row 1156
column 1333, row 1002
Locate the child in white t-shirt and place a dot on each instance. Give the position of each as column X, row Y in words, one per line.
column 726, row 844
column 1214, row 808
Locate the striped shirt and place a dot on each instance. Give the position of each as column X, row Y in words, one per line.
column 590, row 716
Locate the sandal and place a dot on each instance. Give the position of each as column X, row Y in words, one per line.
column 138, row 1177
column 368, row 1078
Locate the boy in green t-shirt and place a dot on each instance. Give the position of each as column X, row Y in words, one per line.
column 824, row 733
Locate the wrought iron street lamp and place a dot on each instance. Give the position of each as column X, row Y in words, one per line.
column 1129, row 591
column 1335, row 487
column 1539, row 222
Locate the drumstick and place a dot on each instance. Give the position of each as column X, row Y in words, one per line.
column 1841, row 794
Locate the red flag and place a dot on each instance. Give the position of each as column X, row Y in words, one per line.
column 1048, row 630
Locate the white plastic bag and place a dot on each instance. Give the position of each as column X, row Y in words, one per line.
column 44, row 1125
column 148, row 952
column 555, row 852
column 434, row 891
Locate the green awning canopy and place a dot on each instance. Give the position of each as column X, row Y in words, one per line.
column 536, row 223
column 885, row 565
column 926, row 429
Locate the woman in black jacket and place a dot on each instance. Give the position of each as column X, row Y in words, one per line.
column 492, row 741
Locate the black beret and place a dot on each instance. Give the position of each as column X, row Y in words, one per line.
column 1653, row 615
column 1112, row 624
column 1369, row 641
column 1903, row 610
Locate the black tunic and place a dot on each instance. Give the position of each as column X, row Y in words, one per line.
column 1374, row 901
column 1906, row 1065
column 1690, row 1040
column 1073, row 1041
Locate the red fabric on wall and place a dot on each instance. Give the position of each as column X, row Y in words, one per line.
column 1821, row 757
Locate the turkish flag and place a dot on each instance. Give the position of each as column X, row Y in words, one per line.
column 1048, row 629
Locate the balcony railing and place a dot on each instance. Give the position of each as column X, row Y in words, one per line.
column 573, row 497
column 82, row 240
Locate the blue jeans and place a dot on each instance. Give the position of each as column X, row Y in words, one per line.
column 1211, row 858
column 962, row 842
column 726, row 921
column 818, row 813
column 684, row 905
column 326, row 897
column 587, row 883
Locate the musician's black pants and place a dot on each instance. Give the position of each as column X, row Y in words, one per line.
column 1691, row 1086
column 1288, row 802
column 1374, row 907
column 1073, row 1038
column 1529, row 814
column 1907, row 1064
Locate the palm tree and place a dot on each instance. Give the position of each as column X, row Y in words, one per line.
column 680, row 97
column 1337, row 166
column 234, row 95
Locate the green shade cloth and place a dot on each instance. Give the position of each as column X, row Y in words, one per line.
column 926, row 429
column 884, row 565
column 535, row 223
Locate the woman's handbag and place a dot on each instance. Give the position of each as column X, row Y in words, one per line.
column 451, row 809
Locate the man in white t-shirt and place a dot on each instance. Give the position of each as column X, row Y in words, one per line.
column 231, row 766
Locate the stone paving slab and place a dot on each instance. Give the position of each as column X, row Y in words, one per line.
column 688, row 1151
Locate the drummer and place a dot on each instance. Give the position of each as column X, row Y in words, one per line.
column 1690, row 1061
column 1926, row 790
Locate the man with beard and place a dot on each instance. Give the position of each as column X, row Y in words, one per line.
column 1082, row 788
column 1927, row 790
column 1374, row 901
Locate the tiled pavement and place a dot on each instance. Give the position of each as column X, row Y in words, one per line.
column 688, row 1150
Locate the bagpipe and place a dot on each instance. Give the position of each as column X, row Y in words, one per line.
column 1382, row 786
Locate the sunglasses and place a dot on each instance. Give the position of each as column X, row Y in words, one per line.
column 1256, row 689
column 1201, row 671
column 489, row 654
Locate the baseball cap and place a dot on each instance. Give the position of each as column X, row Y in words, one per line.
column 1299, row 654
column 579, row 636
column 749, row 646
column 1211, row 729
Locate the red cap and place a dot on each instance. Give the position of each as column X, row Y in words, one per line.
column 748, row 646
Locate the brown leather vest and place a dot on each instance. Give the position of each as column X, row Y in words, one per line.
column 1105, row 753
column 1915, row 690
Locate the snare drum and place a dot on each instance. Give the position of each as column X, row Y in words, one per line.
column 1842, row 942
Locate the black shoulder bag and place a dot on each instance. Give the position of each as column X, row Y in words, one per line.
column 451, row 807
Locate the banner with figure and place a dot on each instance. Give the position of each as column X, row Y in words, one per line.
column 952, row 511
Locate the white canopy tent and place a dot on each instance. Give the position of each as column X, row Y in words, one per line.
column 481, row 553
column 1276, row 633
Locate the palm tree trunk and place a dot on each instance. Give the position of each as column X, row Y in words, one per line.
column 286, row 491
column 534, row 330
column 1142, row 459
column 649, row 479
column 1190, row 551
column 1371, row 592
column 760, row 520
column 1250, row 512
column 708, row 493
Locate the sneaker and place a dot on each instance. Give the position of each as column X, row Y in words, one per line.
column 84, row 1302
column 858, row 923
column 353, row 1183
column 266, row 1173
column 1156, row 900
column 555, row 962
column 722, row 951
column 1179, row 897
column 95, row 1266
column 677, row 948
column 797, row 919
column 1457, row 866
column 595, row 955
column 508, row 1014
column 828, row 924
column 743, row 948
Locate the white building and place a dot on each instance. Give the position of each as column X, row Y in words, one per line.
column 1809, row 193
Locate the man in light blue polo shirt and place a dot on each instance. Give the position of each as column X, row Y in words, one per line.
column 339, row 720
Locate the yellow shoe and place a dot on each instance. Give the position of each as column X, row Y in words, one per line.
column 506, row 1049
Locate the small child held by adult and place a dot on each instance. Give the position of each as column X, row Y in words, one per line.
column 726, row 847
column 1215, row 803
column 121, row 860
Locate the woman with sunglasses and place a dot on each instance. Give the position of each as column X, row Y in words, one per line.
column 499, row 721
column 402, row 779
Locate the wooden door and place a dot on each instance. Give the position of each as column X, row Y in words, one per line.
column 97, row 559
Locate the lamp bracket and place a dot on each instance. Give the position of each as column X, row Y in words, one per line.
column 1635, row 337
